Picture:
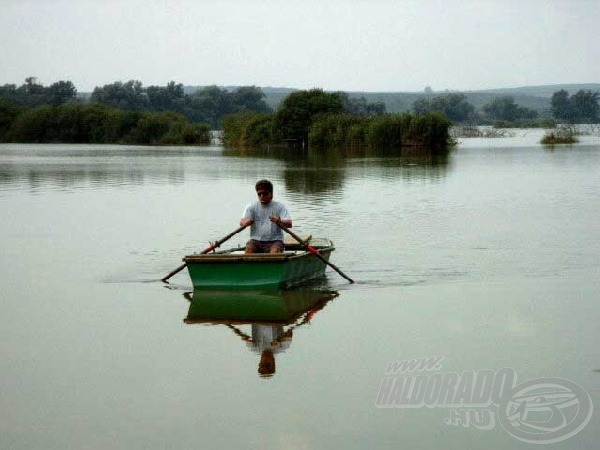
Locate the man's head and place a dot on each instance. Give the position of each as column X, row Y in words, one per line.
column 266, row 366
column 264, row 189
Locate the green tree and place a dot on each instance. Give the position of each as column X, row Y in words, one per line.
column 300, row 108
column 505, row 108
column 130, row 96
column 249, row 98
column 153, row 126
column 32, row 94
column 247, row 128
column 166, row 98
column 207, row 105
column 454, row 106
column 579, row 107
column 585, row 106
column 561, row 105
column 8, row 114
column 212, row 104
column 60, row 92
column 361, row 107
column 8, row 93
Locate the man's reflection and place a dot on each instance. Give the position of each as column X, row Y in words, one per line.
column 268, row 340
column 271, row 332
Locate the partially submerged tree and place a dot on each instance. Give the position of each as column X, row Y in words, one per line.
column 300, row 108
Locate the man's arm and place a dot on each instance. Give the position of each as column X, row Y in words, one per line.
column 247, row 215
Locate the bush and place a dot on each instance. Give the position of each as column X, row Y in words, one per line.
column 8, row 114
column 187, row 134
column 260, row 129
column 564, row 134
column 337, row 131
column 250, row 129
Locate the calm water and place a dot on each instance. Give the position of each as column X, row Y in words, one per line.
column 489, row 258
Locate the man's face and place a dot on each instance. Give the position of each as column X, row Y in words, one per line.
column 264, row 196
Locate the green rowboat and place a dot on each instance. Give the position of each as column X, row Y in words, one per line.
column 233, row 269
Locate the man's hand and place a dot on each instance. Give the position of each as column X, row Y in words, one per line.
column 279, row 221
column 246, row 222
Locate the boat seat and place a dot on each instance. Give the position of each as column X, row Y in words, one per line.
column 289, row 240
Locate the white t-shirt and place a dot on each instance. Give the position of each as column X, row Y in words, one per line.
column 263, row 229
column 267, row 337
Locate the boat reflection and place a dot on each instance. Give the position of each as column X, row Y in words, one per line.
column 265, row 321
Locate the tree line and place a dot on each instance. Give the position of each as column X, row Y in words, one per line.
column 205, row 105
column 98, row 124
column 581, row 107
column 314, row 118
column 145, row 115
column 31, row 93
column 128, row 112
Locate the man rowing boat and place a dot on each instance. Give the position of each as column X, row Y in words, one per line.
column 264, row 216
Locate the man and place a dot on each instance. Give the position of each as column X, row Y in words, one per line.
column 263, row 217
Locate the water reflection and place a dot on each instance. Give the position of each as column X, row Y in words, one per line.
column 306, row 172
column 64, row 167
column 77, row 176
column 264, row 321
column 320, row 173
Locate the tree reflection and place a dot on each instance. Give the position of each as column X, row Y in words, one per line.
column 316, row 172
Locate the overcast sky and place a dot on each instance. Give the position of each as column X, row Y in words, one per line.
column 349, row 45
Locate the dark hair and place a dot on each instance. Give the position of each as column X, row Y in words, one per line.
column 266, row 366
column 264, row 184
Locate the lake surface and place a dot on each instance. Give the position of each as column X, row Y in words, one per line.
column 487, row 259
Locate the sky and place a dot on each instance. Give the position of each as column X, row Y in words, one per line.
column 346, row 45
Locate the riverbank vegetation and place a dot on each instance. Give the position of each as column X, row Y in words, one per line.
column 318, row 119
column 99, row 124
column 128, row 112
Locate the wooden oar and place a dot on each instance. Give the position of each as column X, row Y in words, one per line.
column 314, row 251
column 206, row 250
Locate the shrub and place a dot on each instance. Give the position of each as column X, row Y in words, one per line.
column 564, row 134
column 250, row 129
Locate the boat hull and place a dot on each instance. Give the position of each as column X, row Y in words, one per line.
column 235, row 270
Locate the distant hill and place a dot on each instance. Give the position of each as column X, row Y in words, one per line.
column 534, row 97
